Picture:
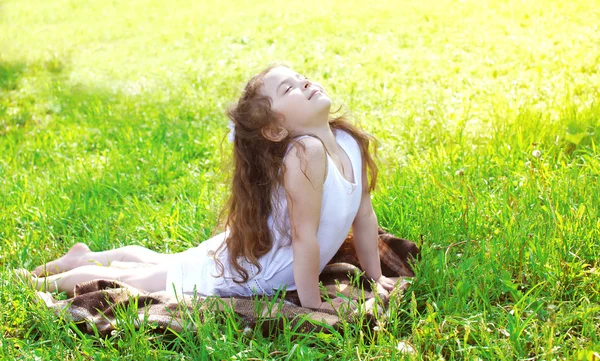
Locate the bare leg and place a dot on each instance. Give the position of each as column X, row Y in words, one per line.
column 80, row 255
column 149, row 279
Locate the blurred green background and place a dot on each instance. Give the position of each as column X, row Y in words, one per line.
column 113, row 132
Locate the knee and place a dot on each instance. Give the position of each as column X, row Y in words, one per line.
column 150, row 279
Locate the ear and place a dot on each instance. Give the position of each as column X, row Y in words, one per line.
column 274, row 132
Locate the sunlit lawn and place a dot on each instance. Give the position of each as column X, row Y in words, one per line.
column 112, row 132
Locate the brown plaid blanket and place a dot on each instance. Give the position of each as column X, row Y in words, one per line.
column 96, row 305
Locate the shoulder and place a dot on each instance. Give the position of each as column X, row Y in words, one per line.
column 307, row 148
column 306, row 159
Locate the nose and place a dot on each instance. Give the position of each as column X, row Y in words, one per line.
column 307, row 83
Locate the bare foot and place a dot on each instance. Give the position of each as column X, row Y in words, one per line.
column 67, row 262
column 47, row 284
column 26, row 277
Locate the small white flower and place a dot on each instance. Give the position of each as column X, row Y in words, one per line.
column 536, row 153
column 376, row 329
column 247, row 330
column 231, row 135
column 406, row 347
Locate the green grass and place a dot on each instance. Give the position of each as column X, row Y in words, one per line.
column 112, row 132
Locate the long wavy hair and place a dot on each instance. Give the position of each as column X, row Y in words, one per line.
column 258, row 169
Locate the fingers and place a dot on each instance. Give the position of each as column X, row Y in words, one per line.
column 338, row 304
column 388, row 284
column 326, row 306
column 384, row 286
column 382, row 291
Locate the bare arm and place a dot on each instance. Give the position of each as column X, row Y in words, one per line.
column 303, row 182
column 364, row 229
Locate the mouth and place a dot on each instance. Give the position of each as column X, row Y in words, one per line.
column 313, row 93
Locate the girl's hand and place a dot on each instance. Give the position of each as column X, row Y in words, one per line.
column 385, row 285
column 337, row 304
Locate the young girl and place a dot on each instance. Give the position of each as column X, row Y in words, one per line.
column 300, row 182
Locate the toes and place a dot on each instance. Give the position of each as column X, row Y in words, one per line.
column 38, row 271
column 25, row 276
column 44, row 270
column 22, row 273
column 64, row 263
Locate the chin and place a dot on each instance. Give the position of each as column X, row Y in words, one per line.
column 324, row 105
column 325, row 99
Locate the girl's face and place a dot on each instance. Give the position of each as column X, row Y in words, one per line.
column 302, row 103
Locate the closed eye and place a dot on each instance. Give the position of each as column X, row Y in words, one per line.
column 288, row 89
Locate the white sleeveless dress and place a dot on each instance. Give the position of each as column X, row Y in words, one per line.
column 194, row 271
